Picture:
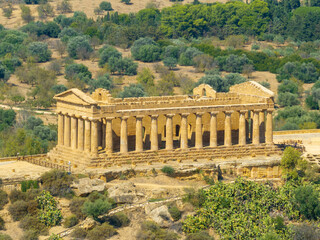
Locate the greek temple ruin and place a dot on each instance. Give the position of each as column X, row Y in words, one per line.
column 98, row 130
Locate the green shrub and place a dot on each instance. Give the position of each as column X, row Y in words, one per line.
column 119, row 220
column 79, row 233
column 196, row 198
column 150, row 230
column 32, row 194
column 39, row 51
column 168, row 170
column 79, row 47
column 70, row 221
column 18, row 210
column 105, row 6
column 33, row 223
column 57, row 182
column 102, row 232
column 30, row 235
column 55, row 237
column 75, row 207
column 305, row 231
column 5, row 237
column 49, row 214
column 199, row 236
column 133, row 90
column 174, row 212
column 25, row 185
column 146, row 50
column 96, row 208
column 3, row 199
column 307, row 200
column 270, row 236
column 2, row 224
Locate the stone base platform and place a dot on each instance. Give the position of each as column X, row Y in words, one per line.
column 62, row 155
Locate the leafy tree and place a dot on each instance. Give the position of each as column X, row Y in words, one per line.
column 64, row 7
column 171, row 51
column 59, row 88
column 308, row 202
column 288, row 99
column 233, row 63
column 146, row 50
column 7, row 11
column 7, row 118
column 67, row 33
column 219, row 83
column 26, row 14
column 203, row 62
column 96, row 208
column 76, row 70
column 133, row 90
column 186, row 57
column 39, row 51
column 170, row 62
column 104, row 81
column 106, row 52
column 105, row 6
column 288, row 86
column 126, row 1
column 45, row 11
column 123, row 66
column 77, row 45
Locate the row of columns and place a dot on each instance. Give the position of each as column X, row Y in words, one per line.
column 82, row 133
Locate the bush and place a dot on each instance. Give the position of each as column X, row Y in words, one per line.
column 170, row 62
column 75, row 70
column 18, row 210
column 39, row 51
column 57, row 182
column 30, row 235
column 150, row 230
column 25, row 185
column 119, row 220
column 105, row 6
column 307, row 200
column 79, row 47
column 102, row 232
column 3, row 199
column 168, row 170
column 16, row 195
column 233, row 63
column 270, row 236
column 33, row 223
column 305, row 231
column 288, row 86
column 123, row 66
column 199, row 236
column 49, row 214
column 64, row 7
column 174, row 212
column 106, row 52
column 2, row 224
column 186, row 58
column 288, row 99
column 96, row 208
column 75, row 207
column 104, row 81
column 5, row 237
column 70, row 221
column 79, row 233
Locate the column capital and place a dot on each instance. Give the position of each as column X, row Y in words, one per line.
column 139, row 116
column 169, row 115
column 59, row 112
column 73, row 115
column 78, row 116
column 229, row 112
column 270, row 110
column 243, row 111
column 257, row 110
column 213, row 113
column 185, row 114
column 199, row 113
column 155, row 116
column 124, row 117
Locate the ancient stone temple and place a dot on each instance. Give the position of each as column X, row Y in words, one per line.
column 102, row 131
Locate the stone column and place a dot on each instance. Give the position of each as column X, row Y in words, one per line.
column 154, row 133
column 60, row 128
column 255, row 128
column 242, row 127
column 124, row 135
column 269, row 133
column 80, row 134
column 103, row 125
column 109, row 138
column 67, row 133
column 139, row 134
column 74, row 132
column 227, row 129
column 87, row 135
column 262, row 126
column 184, row 131
column 94, row 137
column 169, row 132
column 213, row 129
column 199, row 130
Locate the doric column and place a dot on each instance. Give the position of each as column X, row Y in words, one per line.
column 184, row 131
column 139, row 134
column 199, row 130
column 74, row 132
column 109, row 138
column 242, row 127
column 169, row 132
column 154, row 133
column 60, row 128
column 255, row 128
column 269, row 133
column 103, row 125
column 67, row 133
column 227, row 129
column 124, row 135
column 262, row 126
column 87, row 135
column 94, row 137
column 213, row 129
column 80, row 134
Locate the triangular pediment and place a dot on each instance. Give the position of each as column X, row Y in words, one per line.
column 251, row 88
column 75, row 96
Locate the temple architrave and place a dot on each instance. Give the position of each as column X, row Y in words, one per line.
column 102, row 131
